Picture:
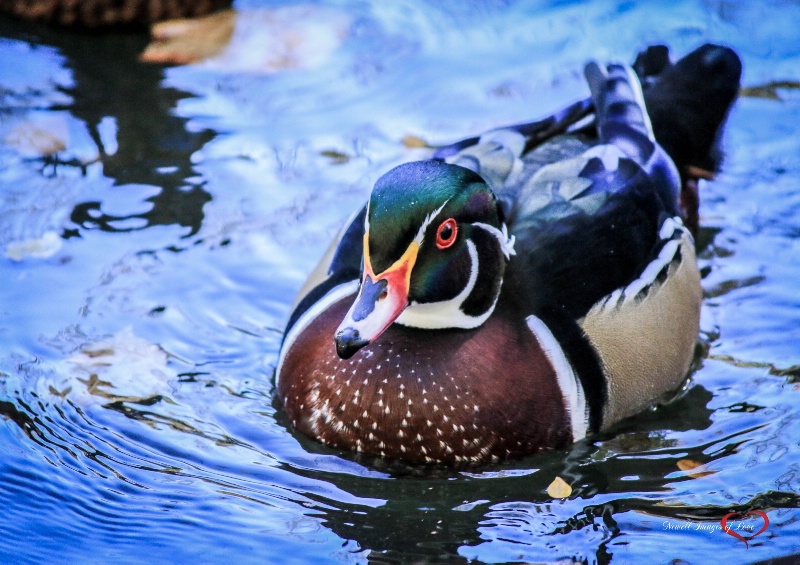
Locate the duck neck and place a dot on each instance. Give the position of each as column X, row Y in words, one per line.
column 489, row 253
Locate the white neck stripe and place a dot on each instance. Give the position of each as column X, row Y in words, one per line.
column 332, row 297
column 428, row 219
column 571, row 387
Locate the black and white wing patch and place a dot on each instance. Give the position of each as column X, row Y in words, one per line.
column 340, row 265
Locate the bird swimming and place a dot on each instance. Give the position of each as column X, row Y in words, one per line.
column 521, row 289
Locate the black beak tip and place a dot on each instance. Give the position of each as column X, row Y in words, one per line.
column 348, row 341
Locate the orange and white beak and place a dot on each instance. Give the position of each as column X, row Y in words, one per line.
column 381, row 299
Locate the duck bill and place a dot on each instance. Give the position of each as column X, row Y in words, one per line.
column 381, row 299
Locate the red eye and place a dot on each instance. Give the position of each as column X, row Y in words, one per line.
column 446, row 234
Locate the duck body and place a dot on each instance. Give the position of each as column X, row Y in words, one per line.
column 517, row 291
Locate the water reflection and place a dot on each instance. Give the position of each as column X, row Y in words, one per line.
column 148, row 144
column 154, row 146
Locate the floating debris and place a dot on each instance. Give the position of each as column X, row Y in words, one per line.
column 38, row 248
column 769, row 90
column 190, row 40
column 559, row 488
column 35, row 138
column 269, row 40
column 336, row 157
column 120, row 368
column 687, row 465
column 414, row 142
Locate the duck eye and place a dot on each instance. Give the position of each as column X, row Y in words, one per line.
column 446, row 233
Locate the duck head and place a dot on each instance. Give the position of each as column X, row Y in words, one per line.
column 435, row 251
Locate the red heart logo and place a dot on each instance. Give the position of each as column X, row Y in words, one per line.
column 735, row 515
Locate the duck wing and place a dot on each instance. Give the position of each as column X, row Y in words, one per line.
column 597, row 219
column 594, row 203
column 337, row 273
column 529, row 134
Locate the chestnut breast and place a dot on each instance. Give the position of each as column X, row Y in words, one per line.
column 437, row 396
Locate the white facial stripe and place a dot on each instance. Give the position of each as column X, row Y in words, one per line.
column 332, row 297
column 502, row 237
column 571, row 387
column 428, row 219
column 448, row 313
column 425, row 223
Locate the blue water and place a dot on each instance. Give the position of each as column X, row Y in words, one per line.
column 183, row 208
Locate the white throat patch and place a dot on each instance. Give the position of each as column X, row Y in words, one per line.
column 448, row 313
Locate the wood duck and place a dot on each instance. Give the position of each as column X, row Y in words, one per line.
column 521, row 289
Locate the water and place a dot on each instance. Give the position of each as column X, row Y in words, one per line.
column 185, row 206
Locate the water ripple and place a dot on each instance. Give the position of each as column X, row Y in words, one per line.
column 189, row 203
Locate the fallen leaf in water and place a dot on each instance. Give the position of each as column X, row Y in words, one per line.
column 414, row 142
column 61, row 393
column 38, row 248
column 120, row 368
column 337, row 157
column 267, row 40
column 184, row 41
column 33, row 139
column 687, row 465
column 559, row 488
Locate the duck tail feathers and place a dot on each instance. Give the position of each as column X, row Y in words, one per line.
column 689, row 101
column 621, row 113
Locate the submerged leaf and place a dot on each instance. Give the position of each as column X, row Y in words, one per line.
column 37, row 140
column 39, row 248
column 687, row 465
column 337, row 157
column 120, row 368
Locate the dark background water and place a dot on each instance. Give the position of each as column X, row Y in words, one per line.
column 186, row 206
